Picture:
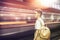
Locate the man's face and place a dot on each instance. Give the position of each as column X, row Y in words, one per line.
column 37, row 14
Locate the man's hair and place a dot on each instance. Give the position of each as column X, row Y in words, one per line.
column 40, row 12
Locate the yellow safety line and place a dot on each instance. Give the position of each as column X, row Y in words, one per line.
column 16, row 22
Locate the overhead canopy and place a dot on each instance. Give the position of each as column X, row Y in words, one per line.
column 30, row 4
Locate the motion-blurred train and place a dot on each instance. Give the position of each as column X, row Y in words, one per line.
column 10, row 15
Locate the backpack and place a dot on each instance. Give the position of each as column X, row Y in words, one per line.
column 43, row 34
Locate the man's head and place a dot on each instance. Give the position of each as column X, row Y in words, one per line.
column 38, row 13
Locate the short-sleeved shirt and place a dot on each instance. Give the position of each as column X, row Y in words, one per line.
column 39, row 23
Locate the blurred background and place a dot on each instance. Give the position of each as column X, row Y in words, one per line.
column 17, row 18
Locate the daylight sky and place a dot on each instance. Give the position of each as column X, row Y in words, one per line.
column 51, row 3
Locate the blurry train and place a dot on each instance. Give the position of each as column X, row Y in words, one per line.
column 16, row 14
column 8, row 14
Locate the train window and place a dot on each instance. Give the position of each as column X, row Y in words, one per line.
column 51, row 17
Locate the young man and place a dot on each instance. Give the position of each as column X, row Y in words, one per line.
column 39, row 21
column 40, row 29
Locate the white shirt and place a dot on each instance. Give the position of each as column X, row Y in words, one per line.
column 39, row 23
